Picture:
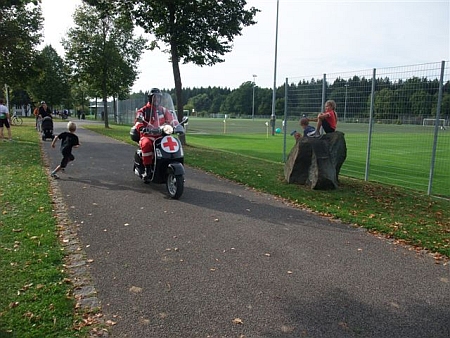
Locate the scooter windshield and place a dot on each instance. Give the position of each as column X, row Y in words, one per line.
column 163, row 111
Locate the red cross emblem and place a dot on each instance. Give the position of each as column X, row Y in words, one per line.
column 170, row 145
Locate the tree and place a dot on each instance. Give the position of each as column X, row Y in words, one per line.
column 51, row 81
column 200, row 32
column 201, row 102
column 421, row 103
column 79, row 91
column 239, row 101
column 216, row 103
column 264, row 97
column 445, row 110
column 445, row 106
column 231, row 105
column 384, row 100
column 20, row 32
column 102, row 51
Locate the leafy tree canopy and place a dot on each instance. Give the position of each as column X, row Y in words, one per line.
column 102, row 51
column 197, row 31
column 200, row 31
column 51, row 81
column 20, row 33
column 17, row 3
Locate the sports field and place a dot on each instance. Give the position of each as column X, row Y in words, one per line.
column 399, row 154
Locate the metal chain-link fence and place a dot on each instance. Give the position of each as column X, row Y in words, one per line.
column 126, row 110
column 395, row 120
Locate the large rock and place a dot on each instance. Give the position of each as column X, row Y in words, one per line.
column 316, row 162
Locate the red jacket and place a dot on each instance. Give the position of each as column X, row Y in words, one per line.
column 153, row 118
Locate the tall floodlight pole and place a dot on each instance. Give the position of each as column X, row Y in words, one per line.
column 253, row 103
column 345, row 103
column 274, row 94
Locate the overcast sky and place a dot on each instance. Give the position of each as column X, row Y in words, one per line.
column 314, row 37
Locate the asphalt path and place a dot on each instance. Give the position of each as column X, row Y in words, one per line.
column 227, row 261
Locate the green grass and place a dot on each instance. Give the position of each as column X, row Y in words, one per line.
column 398, row 213
column 36, row 296
column 400, row 155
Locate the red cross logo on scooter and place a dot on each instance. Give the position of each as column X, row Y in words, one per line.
column 170, row 145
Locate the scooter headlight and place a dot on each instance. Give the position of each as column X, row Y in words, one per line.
column 167, row 129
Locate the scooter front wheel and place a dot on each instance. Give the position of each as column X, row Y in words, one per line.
column 175, row 185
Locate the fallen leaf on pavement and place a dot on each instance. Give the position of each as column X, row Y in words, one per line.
column 238, row 321
column 287, row 329
column 135, row 289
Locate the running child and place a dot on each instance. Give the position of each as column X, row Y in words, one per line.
column 68, row 141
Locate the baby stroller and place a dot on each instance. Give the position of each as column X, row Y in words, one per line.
column 47, row 128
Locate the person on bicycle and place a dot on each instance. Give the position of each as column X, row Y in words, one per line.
column 5, row 120
column 148, row 120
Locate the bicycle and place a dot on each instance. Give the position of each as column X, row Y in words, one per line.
column 16, row 120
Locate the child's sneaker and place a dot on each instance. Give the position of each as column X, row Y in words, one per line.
column 54, row 176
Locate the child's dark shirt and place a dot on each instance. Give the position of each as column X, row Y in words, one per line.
column 307, row 130
column 68, row 141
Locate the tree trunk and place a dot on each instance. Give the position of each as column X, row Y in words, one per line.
column 178, row 86
column 105, row 105
column 105, row 74
column 116, row 120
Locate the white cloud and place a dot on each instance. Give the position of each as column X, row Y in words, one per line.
column 314, row 37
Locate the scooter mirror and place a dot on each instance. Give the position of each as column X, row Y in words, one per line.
column 179, row 129
column 184, row 120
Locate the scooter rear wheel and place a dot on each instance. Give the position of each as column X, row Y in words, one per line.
column 175, row 185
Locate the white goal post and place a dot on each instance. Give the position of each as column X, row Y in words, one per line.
column 431, row 122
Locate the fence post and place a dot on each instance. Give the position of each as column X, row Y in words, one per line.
column 369, row 138
column 285, row 118
column 273, row 117
column 436, row 129
column 324, row 89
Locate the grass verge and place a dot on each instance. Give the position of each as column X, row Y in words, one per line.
column 37, row 299
column 404, row 215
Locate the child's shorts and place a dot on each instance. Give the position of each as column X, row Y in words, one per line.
column 66, row 159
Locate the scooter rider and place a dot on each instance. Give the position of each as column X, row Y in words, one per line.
column 148, row 120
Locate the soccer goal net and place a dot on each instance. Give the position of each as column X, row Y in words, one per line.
column 431, row 122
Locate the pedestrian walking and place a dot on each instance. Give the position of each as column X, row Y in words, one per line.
column 5, row 120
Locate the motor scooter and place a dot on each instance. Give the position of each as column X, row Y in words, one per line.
column 167, row 166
